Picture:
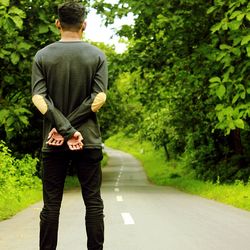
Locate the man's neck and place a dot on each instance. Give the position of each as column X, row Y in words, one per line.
column 68, row 36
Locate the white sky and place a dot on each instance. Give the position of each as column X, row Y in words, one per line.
column 96, row 30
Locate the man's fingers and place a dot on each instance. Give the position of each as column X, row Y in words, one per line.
column 50, row 135
column 75, row 146
column 75, row 143
column 52, row 131
column 50, row 141
column 58, row 142
column 54, row 138
column 54, row 142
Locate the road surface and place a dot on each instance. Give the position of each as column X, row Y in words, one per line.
column 138, row 216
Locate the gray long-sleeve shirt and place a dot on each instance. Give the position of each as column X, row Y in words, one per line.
column 69, row 84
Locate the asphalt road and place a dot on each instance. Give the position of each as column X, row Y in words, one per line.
column 138, row 216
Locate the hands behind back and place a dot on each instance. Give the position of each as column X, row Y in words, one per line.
column 74, row 143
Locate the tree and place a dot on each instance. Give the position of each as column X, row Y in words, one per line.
column 25, row 27
column 192, row 79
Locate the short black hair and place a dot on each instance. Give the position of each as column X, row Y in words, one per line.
column 71, row 15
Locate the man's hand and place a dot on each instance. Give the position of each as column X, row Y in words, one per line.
column 75, row 142
column 54, row 138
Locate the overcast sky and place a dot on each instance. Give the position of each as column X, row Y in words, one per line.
column 96, row 30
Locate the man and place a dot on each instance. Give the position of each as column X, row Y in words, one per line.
column 69, row 82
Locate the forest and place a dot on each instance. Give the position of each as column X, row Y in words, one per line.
column 183, row 84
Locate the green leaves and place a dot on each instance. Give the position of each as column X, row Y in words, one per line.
column 233, row 41
column 18, row 45
column 245, row 40
column 191, row 59
column 5, row 3
column 18, row 21
column 43, row 28
column 16, row 175
column 229, row 118
column 23, row 46
column 16, row 11
column 13, row 18
column 216, row 27
column 220, row 91
column 238, row 15
column 215, row 79
column 14, row 119
column 239, row 123
column 248, row 16
column 219, row 87
column 248, row 51
column 15, row 57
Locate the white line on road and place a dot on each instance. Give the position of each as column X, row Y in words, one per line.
column 127, row 219
column 117, row 190
column 119, row 198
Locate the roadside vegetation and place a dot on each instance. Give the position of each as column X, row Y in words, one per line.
column 20, row 183
column 174, row 173
column 20, row 186
column 184, row 83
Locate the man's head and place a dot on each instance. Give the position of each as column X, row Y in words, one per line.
column 71, row 16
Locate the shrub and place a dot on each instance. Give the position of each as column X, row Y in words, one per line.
column 16, row 175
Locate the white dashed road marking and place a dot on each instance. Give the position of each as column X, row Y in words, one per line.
column 127, row 219
column 119, row 198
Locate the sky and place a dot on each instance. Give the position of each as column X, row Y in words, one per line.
column 97, row 32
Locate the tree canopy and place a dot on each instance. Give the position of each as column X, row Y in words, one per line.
column 183, row 83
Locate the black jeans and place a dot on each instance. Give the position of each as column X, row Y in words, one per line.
column 88, row 167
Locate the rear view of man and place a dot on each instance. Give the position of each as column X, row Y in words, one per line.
column 69, row 83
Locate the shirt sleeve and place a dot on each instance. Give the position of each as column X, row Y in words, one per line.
column 97, row 97
column 45, row 105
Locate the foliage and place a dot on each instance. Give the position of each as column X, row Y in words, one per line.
column 23, row 31
column 16, row 173
column 25, row 27
column 17, row 178
column 190, row 62
column 231, row 39
column 183, row 83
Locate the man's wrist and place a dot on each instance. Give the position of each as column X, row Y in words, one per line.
column 70, row 134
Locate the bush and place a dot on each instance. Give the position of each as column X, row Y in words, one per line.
column 18, row 182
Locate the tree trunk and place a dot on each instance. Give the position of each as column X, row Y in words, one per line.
column 166, row 151
column 235, row 142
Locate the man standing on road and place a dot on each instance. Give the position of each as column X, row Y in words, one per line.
column 69, row 82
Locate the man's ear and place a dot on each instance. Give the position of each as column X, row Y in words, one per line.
column 84, row 25
column 58, row 24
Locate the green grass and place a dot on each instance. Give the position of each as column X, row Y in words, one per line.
column 104, row 160
column 17, row 200
column 71, row 182
column 12, row 204
column 173, row 173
